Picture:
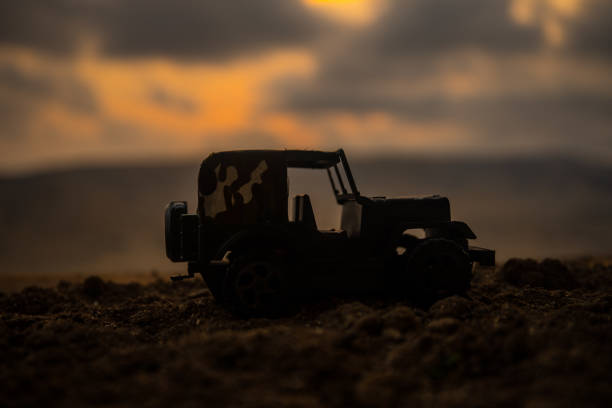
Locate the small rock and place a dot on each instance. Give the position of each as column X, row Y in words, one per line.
column 401, row 318
column 519, row 272
column 63, row 286
column 93, row 286
column 444, row 325
column 347, row 315
column 392, row 334
column 549, row 274
column 454, row 306
column 371, row 324
column 556, row 275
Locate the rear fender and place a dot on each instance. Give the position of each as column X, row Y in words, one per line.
column 246, row 239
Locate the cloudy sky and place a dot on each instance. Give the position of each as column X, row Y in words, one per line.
column 119, row 80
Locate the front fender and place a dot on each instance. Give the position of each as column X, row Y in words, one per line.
column 460, row 229
column 452, row 230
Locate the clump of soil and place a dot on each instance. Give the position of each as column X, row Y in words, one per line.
column 549, row 274
column 537, row 334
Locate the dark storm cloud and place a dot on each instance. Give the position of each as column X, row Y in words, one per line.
column 419, row 42
column 406, row 43
column 53, row 25
column 576, row 116
column 414, row 41
column 424, row 26
column 179, row 28
column 23, row 94
column 412, row 27
column 19, row 98
column 206, row 28
column 513, row 110
column 13, row 114
column 37, row 88
column 13, row 78
column 591, row 32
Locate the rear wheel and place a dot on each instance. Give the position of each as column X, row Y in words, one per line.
column 437, row 268
column 255, row 284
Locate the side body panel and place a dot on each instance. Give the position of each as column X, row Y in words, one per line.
column 237, row 190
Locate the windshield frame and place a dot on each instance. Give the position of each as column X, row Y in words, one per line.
column 343, row 194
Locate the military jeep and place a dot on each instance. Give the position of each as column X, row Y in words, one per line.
column 256, row 260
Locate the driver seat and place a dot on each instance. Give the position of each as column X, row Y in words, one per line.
column 302, row 211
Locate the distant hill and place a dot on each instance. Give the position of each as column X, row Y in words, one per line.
column 89, row 220
column 92, row 220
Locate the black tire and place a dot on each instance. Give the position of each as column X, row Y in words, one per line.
column 437, row 268
column 255, row 284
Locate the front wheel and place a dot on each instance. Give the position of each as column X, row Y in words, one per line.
column 255, row 284
column 435, row 269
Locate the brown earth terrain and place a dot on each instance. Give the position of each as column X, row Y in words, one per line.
column 527, row 334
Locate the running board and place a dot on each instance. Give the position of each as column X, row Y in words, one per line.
column 178, row 278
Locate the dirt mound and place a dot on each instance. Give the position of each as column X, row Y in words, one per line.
column 518, row 338
column 549, row 274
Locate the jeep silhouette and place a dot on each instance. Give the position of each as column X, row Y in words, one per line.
column 255, row 260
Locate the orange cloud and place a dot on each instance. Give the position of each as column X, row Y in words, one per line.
column 225, row 98
column 550, row 15
column 292, row 131
column 67, row 122
column 356, row 12
column 217, row 102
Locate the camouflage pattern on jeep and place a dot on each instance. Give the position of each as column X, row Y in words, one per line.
column 241, row 189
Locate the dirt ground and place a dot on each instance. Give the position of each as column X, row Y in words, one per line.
column 528, row 334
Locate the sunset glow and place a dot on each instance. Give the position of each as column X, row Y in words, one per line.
column 357, row 12
column 370, row 75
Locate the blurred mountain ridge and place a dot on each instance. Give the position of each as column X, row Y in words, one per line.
column 100, row 218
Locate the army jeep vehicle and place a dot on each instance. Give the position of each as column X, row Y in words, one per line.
column 255, row 260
